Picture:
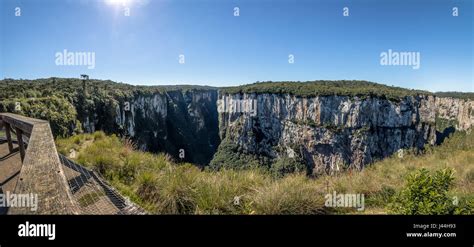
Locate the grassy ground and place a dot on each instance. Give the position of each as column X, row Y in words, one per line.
column 161, row 186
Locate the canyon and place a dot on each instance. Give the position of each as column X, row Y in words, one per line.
column 326, row 131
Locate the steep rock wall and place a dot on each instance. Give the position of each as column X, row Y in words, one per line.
column 181, row 123
column 459, row 111
column 331, row 133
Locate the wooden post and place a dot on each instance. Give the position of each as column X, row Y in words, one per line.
column 19, row 135
column 9, row 136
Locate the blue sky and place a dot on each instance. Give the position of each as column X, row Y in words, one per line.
column 221, row 49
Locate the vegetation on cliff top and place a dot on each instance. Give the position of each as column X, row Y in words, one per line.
column 459, row 95
column 21, row 88
column 66, row 87
column 327, row 88
column 162, row 186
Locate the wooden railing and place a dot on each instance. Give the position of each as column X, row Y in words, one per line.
column 21, row 126
column 41, row 172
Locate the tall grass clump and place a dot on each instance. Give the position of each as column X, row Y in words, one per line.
column 293, row 194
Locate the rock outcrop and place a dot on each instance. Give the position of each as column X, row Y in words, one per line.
column 332, row 133
column 459, row 112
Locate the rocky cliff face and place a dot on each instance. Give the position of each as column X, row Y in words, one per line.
column 258, row 123
column 331, row 133
column 181, row 123
column 326, row 133
column 459, row 112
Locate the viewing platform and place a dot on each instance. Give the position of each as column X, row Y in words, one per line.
column 30, row 164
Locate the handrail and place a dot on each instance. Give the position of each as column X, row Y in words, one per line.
column 22, row 126
column 41, row 172
column 25, row 124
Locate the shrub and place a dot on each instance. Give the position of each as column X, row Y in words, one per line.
column 425, row 194
column 465, row 206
